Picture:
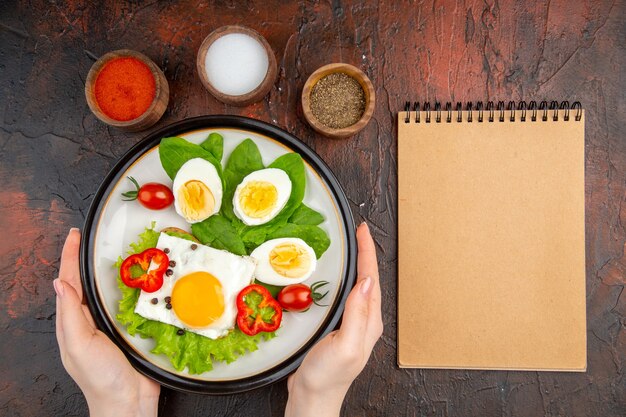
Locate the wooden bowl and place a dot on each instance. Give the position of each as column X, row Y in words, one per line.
column 370, row 100
column 253, row 96
column 157, row 107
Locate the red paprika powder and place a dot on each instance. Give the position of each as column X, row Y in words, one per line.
column 125, row 88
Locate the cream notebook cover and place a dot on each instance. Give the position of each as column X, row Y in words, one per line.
column 491, row 238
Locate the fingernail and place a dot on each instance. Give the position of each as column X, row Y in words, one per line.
column 58, row 287
column 74, row 229
column 365, row 285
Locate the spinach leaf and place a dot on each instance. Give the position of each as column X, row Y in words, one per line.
column 215, row 145
column 306, row 215
column 219, row 233
column 174, row 152
column 253, row 236
column 273, row 289
column 314, row 236
column 244, row 159
column 293, row 165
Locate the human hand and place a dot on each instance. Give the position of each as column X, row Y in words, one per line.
column 318, row 387
column 110, row 384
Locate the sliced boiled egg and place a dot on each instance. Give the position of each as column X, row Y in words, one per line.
column 284, row 261
column 261, row 195
column 197, row 190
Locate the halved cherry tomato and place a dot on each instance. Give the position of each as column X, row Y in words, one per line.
column 299, row 297
column 152, row 195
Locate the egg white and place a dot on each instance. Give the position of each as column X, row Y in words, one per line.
column 264, row 271
column 276, row 177
column 198, row 169
column 234, row 273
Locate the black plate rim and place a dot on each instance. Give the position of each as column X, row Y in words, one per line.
column 190, row 385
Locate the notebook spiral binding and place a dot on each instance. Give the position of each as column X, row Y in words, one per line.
column 512, row 108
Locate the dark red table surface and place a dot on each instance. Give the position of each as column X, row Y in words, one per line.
column 54, row 153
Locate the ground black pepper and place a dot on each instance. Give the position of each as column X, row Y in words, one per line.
column 337, row 100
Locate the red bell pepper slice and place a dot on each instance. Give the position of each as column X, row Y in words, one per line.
column 149, row 281
column 251, row 310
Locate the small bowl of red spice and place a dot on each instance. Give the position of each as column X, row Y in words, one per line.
column 125, row 89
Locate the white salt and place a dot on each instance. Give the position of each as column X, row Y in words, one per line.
column 236, row 64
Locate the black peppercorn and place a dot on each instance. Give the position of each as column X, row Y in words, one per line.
column 180, row 332
column 168, row 299
column 169, row 272
column 194, row 246
column 168, row 306
column 172, row 263
column 154, row 301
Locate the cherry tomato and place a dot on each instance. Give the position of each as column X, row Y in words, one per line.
column 152, row 195
column 299, row 297
column 295, row 297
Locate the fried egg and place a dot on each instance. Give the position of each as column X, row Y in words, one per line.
column 261, row 195
column 197, row 190
column 201, row 290
column 284, row 261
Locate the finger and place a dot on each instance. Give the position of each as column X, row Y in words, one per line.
column 76, row 329
column 69, row 270
column 374, row 319
column 59, row 323
column 367, row 264
column 354, row 323
column 88, row 316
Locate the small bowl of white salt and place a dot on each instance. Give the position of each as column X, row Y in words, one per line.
column 236, row 65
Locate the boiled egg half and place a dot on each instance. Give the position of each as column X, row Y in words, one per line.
column 261, row 195
column 197, row 190
column 199, row 294
column 284, row 261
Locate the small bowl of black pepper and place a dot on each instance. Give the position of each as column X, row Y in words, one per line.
column 338, row 100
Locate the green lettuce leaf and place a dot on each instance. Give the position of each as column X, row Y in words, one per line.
column 314, row 236
column 306, row 215
column 174, row 152
column 196, row 353
column 219, row 233
column 215, row 145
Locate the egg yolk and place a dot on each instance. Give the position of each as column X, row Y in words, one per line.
column 196, row 201
column 258, row 198
column 290, row 260
column 198, row 299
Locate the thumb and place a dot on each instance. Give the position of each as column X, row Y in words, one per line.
column 354, row 324
column 75, row 326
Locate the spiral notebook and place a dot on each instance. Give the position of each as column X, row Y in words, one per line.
column 491, row 236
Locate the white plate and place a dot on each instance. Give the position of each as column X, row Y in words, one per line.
column 113, row 224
